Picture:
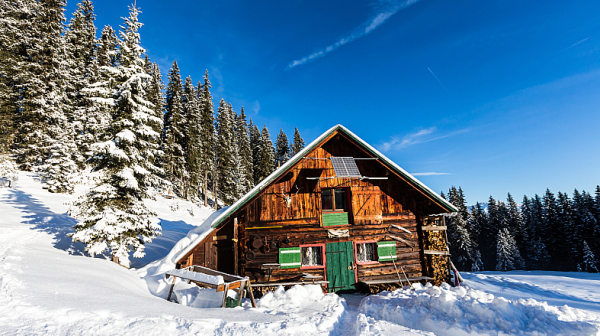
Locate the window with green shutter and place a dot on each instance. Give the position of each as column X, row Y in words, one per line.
column 386, row 250
column 290, row 257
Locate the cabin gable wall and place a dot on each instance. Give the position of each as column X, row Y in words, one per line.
column 288, row 214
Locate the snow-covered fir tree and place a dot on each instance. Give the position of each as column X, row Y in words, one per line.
column 508, row 257
column 15, row 18
column 266, row 156
column 246, row 178
column 112, row 214
column 552, row 228
column 174, row 134
column 156, row 97
column 537, row 256
column 298, row 144
column 463, row 249
column 282, row 149
column 254, row 134
column 590, row 264
column 99, row 94
column 226, row 154
column 44, row 140
column 488, row 235
column 82, row 70
column 192, row 106
column 515, row 223
column 207, row 136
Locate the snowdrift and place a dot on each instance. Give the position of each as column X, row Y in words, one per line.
column 464, row 311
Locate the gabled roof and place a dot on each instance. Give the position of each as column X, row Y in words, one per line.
column 290, row 163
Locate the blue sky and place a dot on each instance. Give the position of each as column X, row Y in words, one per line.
column 492, row 96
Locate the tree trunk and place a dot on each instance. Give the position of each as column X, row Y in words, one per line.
column 115, row 259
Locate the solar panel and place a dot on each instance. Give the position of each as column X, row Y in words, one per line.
column 345, row 167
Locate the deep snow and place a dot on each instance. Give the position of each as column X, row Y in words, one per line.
column 48, row 286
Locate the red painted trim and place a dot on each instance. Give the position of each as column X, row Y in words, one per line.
column 322, row 256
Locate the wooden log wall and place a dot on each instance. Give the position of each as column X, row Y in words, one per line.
column 379, row 211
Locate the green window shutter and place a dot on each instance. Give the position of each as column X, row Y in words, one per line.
column 385, row 248
column 336, row 218
column 290, row 257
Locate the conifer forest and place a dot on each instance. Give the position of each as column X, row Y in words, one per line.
column 73, row 98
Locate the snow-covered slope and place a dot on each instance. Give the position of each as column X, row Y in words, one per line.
column 48, row 286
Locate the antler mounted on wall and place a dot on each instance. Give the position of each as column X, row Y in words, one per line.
column 288, row 199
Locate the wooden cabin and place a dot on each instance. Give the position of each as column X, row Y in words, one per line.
column 339, row 213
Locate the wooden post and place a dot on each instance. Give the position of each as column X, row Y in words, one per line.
column 235, row 246
column 225, row 295
column 240, row 292
column 249, row 286
column 396, row 268
column 171, row 289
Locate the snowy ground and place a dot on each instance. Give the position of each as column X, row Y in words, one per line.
column 48, row 286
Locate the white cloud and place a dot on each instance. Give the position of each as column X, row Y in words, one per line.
column 425, row 135
column 429, row 174
column 389, row 8
column 256, row 107
column 397, row 142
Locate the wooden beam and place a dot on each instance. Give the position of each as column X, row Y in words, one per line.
column 431, row 252
column 434, row 228
column 275, row 284
column 401, row 240
column 235, row 246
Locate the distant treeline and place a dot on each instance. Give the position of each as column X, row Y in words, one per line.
column 545, row 232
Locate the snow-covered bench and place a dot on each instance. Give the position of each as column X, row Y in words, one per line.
column 210, row 278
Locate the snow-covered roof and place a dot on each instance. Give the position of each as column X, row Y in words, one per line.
column 291, row 162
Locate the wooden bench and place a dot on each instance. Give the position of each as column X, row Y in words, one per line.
column 207, row 277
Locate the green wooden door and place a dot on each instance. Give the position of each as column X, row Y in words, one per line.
column 340, row 266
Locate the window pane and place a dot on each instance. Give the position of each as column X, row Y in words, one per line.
column 340, row 199
column 312, row 256
column 365, row 252
column 327, row 200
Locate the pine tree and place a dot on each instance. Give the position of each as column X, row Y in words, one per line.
column 478, row 222
column 515, row 223
column 174, row 135
column 537, row 256
column 193, row 100
column 298, row 143
column 590, row 263
column 254, row 134
column 226, row 154
column 207, row 136
column 44, row 139
column 156, row 97
column 246, row 181
column 508, row 257
column 98, row 94
column 569, row 242
column 113, row 215
column 552, row 228
column 462, row 247
column 282, row 149
column 15, row 19
column 488, row 236
column 266, row 156
column 82, row 71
